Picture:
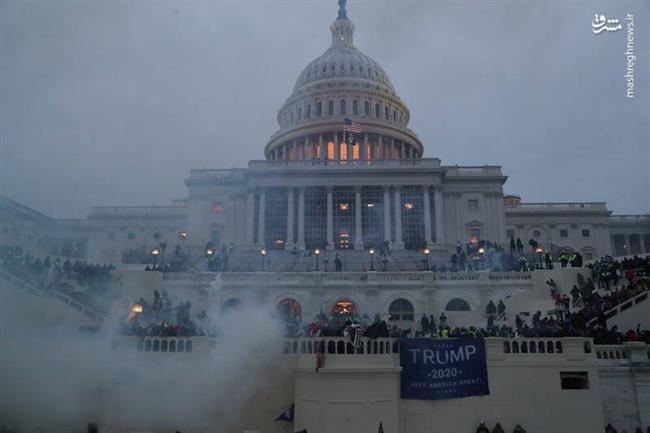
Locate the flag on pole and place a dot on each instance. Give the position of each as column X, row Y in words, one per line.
column 287, row 415
column 350, row 125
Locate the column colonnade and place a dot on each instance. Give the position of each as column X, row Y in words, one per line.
column 390, row 213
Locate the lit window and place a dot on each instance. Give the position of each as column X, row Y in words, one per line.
column 408, row 205
column 472, row 204
column 344, row 206
column 344, row 307
column 370, row 205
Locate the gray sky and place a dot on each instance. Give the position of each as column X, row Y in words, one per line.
column 112, row 103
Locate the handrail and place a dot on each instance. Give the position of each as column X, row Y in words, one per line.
column 619, row 308
column 22, row 284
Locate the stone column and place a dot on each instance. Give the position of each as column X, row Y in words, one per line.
column 261, row 242
column 250, row 217
column 641, row 244
column 358, row 229
column 393, row 150
column 289, row 242
column 439, row 214
column 364, row 149
column 330, row 217
column 301, row 218
column 426, row 199
column 337, row 147
column 399, row 243
column 402, row 150
column 321, row 146
column 387, row 234
column 459, row 218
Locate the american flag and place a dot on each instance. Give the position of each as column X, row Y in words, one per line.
column 350, row 125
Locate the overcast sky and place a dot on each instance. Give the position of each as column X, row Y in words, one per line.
column 112, row 103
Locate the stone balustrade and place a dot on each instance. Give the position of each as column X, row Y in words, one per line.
column 569, row 348
column 52, row 294
column 416, row 276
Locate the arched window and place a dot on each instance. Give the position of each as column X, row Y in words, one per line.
column 344, row 307
column 319, row 109
column 289, row 310
column 386, row 112
column 355, row 107
column 343, row 107
column 401, row 310
column 457, row 304
column 308, row 115
column 299, row 113
column 366, row 108
column 232, row 304
column 377, row 111
column 330, row 108
column 394, row 116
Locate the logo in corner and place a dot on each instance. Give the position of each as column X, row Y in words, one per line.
column 601, row 24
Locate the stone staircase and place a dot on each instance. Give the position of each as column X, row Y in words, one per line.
column 28, row 305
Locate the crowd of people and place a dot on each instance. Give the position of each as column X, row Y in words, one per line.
column 87, row 283
column 582, row 315
column 160, row 318
column 610, row 284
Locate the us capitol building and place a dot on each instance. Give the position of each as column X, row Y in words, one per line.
column 322, row 188
column 365, row 194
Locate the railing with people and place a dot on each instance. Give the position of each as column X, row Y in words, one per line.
column 370, row 276
column 625, row 305
column 388, row 347
column 23, row 285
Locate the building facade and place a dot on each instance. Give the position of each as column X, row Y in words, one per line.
column 329, row 187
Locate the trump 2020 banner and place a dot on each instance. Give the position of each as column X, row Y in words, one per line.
column 447, row 368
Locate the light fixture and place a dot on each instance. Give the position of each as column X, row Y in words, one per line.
column 371, row 251
column 182, row 235
column 263, row 251
column 209, row 251
column 427, row 251
column 136, row 309
column 409, row 205
column 370, row 205
column 317, row 251
column 344, row 206
column 155, row 252
column 481, row 250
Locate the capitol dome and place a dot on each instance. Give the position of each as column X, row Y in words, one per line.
column 343, row 85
